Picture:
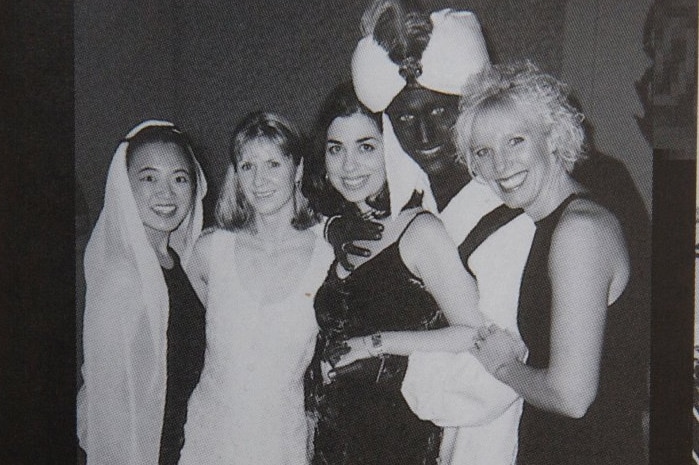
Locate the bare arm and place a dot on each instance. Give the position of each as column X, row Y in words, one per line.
column 588, row 268
column 198, row 266
column 430, row 254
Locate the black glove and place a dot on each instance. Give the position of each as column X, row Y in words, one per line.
column 343, row 230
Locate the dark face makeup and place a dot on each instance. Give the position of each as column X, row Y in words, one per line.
column 422, row 120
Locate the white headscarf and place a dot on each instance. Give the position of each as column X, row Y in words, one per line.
column 455, row 52
column 121, row 404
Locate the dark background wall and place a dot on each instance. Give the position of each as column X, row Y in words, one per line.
column 204, row 66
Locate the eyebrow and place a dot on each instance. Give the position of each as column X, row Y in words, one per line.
column 150, row 168
column 333, row 141
column 364, row 139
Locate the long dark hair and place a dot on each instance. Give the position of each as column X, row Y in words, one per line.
column 324, row 198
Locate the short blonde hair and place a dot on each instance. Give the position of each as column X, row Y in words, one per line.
column 523, row 82
column 233, row 211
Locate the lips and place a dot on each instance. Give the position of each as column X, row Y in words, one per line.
column 355, row 182
column 164, row 210
column 263, row 194
column 512, row 183
column 431, row 151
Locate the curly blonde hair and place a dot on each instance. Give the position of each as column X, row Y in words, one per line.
column 523, row 82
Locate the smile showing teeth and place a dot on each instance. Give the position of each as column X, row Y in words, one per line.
column 513, row 182
column 356, row 182
column 164, row 210
column 264, row 194
column 431, row 151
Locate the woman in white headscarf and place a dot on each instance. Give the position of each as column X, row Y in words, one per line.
column 143, row 327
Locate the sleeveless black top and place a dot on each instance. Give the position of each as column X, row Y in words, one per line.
column 611, row 431
column 186, row 341
column 363, row 418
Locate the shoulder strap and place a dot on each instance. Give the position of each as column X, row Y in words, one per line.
column 487, row 225
column 421, row 212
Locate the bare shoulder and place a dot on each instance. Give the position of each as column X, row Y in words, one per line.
column 424, row 225
column 205, row 239
column 425, row 239
column 198, row 264
column 587, row 223
column 589, row 239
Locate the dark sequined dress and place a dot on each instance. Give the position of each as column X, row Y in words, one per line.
column 364, row 419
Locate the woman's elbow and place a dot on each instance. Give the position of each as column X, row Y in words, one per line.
column 575, row 408
column 574, row 403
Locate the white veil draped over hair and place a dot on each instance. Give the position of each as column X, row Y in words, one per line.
column 121, row 403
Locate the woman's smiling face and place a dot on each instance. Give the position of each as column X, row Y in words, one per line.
column 354, row 157
column 266, row 175
column 510, row 151
column 162, row 183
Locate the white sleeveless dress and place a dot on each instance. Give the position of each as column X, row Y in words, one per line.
column 248, row 407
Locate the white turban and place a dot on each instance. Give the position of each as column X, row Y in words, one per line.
column 455, row 52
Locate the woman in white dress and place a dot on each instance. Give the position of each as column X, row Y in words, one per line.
column 257, row 273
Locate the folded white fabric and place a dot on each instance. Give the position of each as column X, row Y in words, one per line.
column 480, row 414
column 456, row 51
column 454, row 389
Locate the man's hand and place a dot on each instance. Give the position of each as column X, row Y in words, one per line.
column 343, row 230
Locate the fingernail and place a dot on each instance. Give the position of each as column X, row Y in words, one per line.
column 332, row 374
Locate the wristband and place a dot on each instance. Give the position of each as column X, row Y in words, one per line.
column 375, row 347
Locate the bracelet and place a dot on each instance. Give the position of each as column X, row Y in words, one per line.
column 376, row 343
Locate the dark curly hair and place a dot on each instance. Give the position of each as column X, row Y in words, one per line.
column 403, row 29
column 323, row 197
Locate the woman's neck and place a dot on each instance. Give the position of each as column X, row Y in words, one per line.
column 364, row 208
column 159, row 240
column 274, row 229
column 558, row 189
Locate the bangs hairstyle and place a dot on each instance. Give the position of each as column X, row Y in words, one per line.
column 163, row 135
column 523, row 82
column 233, row 211
column 341, row 102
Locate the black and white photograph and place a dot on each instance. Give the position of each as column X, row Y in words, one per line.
column 341, row 232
